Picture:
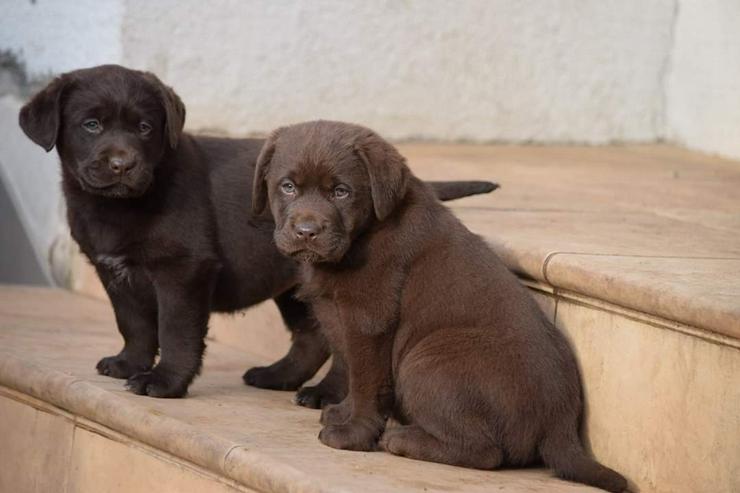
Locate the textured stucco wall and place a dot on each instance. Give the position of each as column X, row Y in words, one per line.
column 486, row 70
column 52, row 36
column 561, row 70
column 46, row 37
column 31, row 179
column 703, row 86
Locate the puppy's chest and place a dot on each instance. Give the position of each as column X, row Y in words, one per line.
column 117, row 269
column 115, row 251
column 319, row 287
column 105, row 234
column 331, row 299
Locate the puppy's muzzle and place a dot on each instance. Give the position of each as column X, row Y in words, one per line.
column 308, row 230
column 122, row 164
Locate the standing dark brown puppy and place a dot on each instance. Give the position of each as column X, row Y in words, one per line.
column 161, row 216
column 422, row 312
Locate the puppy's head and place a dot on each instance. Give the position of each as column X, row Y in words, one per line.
column 326, row 182
column 111, row 126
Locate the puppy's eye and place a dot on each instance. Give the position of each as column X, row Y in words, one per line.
column 288, row 187
column 92, row 125
column 340, row 192
column 144, row 128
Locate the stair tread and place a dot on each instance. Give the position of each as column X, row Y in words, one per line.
column 51, row 339
column 653, row 228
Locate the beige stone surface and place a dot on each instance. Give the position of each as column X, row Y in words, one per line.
column 673, row 282
column 259, row 330
column 35, row 448
column 657, row 400
column 547, row 303
column 100, row 464
column 257, row 438
column 663, row 407
column 561, row 210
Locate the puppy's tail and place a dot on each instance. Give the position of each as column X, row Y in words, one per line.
column 561, row 450
column 451, row 190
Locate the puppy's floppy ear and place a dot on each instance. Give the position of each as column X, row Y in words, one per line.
column 175, row 112
column 387, row 170
column 259, row 187
column 40, row 118
column 173, row 107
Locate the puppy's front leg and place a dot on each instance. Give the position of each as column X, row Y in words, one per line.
column 368, row 364
column 135, row 307
column 183, row 297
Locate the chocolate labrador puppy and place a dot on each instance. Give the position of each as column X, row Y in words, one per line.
column 161, row 216
column 431, row 325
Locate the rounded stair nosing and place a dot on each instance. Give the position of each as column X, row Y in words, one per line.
column 230, row 459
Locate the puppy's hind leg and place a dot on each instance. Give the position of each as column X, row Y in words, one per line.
column 413, row 442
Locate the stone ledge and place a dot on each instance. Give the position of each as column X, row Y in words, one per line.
column 85, row 400
column 87, row 456
column 654, row 228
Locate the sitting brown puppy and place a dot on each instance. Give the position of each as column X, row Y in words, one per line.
column 432, row 326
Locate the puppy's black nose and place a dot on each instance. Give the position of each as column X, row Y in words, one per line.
column 307, row 230
column 120, row 165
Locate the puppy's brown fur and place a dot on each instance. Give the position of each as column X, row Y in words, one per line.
column 432, row 326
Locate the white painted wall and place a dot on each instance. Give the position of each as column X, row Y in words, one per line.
column 482, row 70
column 703, row 86
column 540, row 71
column 49, row 36
column 32, row 181
column 53, row 36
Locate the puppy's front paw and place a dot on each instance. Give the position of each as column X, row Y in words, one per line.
column 336, row 414
column 156, row 384
column 119, row 367
column 354, row 435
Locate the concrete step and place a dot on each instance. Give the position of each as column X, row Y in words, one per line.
column 632, row 251
column 66, row 429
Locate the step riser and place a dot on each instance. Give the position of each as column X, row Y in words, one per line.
column 46, row 449
column 662, row 405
